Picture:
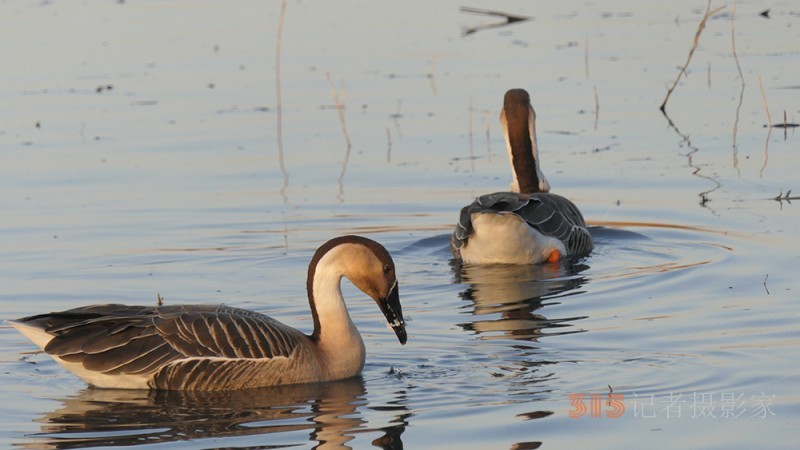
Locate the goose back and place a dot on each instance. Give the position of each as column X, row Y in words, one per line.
column 174, row 347
column 550, row 214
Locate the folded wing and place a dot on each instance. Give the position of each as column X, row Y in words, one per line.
column 550, row 214
column 136, row 340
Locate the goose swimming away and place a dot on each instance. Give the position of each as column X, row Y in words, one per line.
column 528, row 225
column 218, row 347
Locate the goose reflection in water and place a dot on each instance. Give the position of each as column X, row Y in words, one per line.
column 504, row 299
column 514, row 292
column 327, row 412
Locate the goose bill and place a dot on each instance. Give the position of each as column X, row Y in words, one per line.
column 390, row 307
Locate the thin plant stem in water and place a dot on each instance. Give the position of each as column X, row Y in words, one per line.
column 469, row 128
column 340, row 107
column 769, row 128
column 764, row 100
column 431, row 71
column 339, row 102
column 586, row 56
column 279, row 104
column 388, row 145
column 741, row 92
column 396, row 118
column 488, row 136
column 766, row 153
column 700, row 28
column 596, row 107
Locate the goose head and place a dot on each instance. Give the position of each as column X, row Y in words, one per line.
column 369, row 266
column 519, row 128
column 373, row 272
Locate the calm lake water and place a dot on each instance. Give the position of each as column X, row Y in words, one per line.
column 151, row 147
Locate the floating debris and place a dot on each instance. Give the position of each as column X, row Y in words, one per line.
column 780, row 198
column 509, row 19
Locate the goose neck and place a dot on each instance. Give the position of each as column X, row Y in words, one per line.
column 338, row 342
column 519, row 129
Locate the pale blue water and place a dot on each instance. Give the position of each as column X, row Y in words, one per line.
column 170, row 183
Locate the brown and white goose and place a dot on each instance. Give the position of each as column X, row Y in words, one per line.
column 217, row 347
column 528, row 225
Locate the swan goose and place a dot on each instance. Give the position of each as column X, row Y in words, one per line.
column 218, row 347
column 528, row 225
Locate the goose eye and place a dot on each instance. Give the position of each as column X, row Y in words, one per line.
column 387, row 269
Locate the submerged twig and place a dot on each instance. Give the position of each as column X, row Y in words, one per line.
column 510, row 18
column 765, row 284
column 787, row 197
column 786, row 124
column 700, row 28
column 487, row 12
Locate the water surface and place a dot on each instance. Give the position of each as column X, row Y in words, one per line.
column 143, row 152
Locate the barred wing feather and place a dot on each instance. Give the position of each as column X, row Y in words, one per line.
column 551, row 214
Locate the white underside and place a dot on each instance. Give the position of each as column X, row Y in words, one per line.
column 40, row 338
column 504, row 238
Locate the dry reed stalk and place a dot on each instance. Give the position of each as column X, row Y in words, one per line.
column 596, row 107
column 488, row 136
column 733, row 44
column 769, row 128
column 396, row 118
column 764, row 100
column 339, row 107
column 279, row 102
column 469, row 127
column 339, row 102
column 431, row 71
column 586, row 56
column 389, row 145
column 741, row 92
column 700, row 28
